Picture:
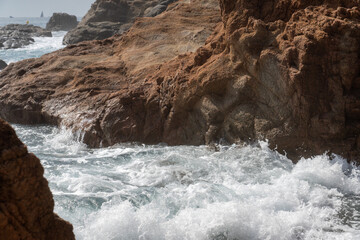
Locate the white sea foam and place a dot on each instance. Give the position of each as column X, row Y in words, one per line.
column 159, row 192
column 41, row 46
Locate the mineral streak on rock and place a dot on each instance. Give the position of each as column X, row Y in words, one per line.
column 282, row 70
column 26, row 203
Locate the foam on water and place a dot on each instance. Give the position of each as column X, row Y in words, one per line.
column 158, row 192
column 41, row 46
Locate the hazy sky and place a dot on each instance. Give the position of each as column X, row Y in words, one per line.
column 33, row 8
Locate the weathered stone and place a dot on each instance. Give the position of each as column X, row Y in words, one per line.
column 26, row 203
column 61, row 22
column 282, row 70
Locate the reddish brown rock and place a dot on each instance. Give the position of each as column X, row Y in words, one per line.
column 284, row 70
column 26, row 203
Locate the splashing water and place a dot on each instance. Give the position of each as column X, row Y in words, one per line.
column 134, row 191
column 41, row 46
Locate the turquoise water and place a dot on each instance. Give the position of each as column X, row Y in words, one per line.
column 134, row 191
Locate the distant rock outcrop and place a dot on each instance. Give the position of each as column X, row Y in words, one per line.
column 283, row 70
column 20, row 35
column 109, row 17
column 26, row 203
column 61, row 22
column 2, row 64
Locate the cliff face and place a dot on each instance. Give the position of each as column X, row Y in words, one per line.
column 287, row 71
column 284, row 70
column 100, row 87
column 26, row 203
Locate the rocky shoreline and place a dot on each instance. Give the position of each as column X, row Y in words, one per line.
column 282, row 70
column 20, row 35
column 110, row 17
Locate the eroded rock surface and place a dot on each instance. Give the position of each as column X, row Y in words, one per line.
column 61, row 22
column 26, row 203
column 109, row 17
column 283, row 70
column 20, row 35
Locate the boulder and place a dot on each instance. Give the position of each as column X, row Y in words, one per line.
column 26, row 203
column 2, row 64
column 61, row 22
column 109, row 17
column 20, row 35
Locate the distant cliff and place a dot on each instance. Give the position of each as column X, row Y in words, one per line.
column 26, row 203
column 282, row 70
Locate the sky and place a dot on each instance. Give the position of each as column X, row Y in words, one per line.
column 33, row 8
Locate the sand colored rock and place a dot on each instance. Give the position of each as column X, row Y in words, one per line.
column 282, row 70
column 26, row 203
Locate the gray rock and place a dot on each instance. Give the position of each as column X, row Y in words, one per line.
column 109, row 17
column 156, row 10
column 95, row 31
column 20, row 35
column 61, row 22
column 2, row 64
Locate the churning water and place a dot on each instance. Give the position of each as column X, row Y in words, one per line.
column 158, row 192
column 247, row 192
column 41, row 46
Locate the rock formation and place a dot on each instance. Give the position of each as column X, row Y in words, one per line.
column 26, row 203
column 61, row 22
column 282, row 70
column 109, row 17
column 20, row 35
column 2, row 64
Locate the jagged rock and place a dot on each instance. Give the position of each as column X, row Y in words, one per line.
column 20, row 35
column 109, row 17
column 2, row 64
column 26, row 203
column 61, row 22
column 284, row 70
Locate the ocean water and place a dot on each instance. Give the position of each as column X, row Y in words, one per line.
column 41, row 45
column 133, row 191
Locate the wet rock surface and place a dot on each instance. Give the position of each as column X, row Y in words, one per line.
column 282, row 70
column 26, row 203
column 61, row 22
column 20, row 35
column 109, row 17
